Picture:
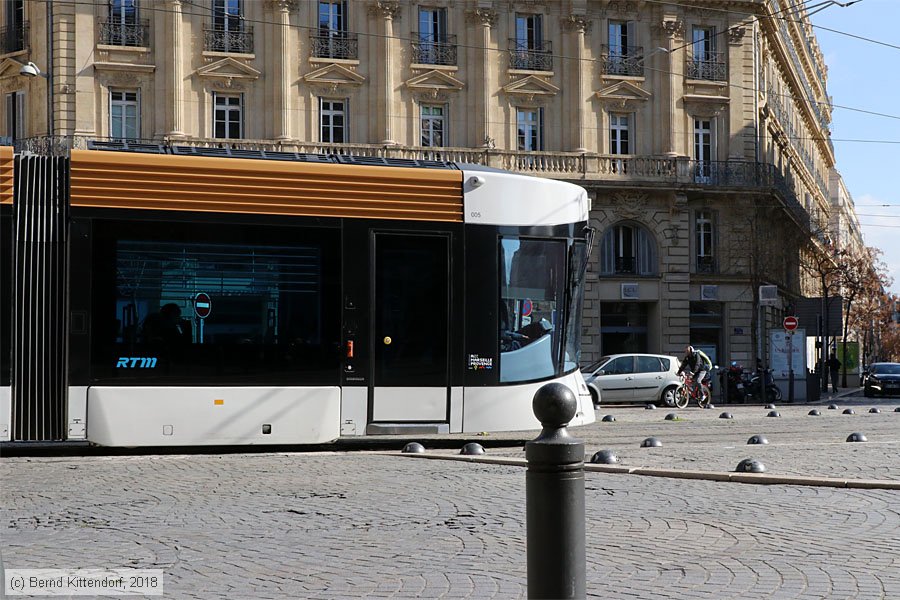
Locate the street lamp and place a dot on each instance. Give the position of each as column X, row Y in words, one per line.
column 32, row 70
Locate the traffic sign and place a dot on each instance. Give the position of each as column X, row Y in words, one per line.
column 790, row 323
column 202, row 305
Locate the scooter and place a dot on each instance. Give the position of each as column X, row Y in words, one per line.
column 753, row 387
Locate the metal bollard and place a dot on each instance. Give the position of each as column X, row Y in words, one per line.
column 554, row 499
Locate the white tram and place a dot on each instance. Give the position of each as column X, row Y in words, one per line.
column 177, row 296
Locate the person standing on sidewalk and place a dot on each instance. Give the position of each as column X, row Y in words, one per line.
column 834, row 369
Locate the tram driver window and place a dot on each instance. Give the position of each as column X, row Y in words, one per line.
column 532, row 278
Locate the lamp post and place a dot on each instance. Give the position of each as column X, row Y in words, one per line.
column 30, row 69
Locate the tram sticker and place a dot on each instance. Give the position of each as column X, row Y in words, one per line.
column 480, row 363
column 136, row 362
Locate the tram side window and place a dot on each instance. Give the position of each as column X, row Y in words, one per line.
column 532, row 297
column 204, row 307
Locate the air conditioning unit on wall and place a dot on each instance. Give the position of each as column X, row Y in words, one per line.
column 709, row 292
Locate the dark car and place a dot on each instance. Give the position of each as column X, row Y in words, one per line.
column 882, row 378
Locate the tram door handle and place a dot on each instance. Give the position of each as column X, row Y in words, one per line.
column 387, row 340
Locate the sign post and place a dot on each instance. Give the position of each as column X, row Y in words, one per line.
column 790, row 324
column 202, row 308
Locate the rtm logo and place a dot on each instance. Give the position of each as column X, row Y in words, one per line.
column 135, row 363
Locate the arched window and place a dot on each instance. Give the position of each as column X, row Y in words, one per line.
column 627, row 249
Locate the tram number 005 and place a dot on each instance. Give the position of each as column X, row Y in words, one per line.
column 475, row 214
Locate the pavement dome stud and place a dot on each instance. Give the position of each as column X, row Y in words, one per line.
column 758, row 439
column 671, row 417
column 472, row 448
column 814, row 413
column 773, row 413
column 857, row 437
column 874, row 409
column 604, row 457
column 750, row 465
column 849, row 411
column 770, row 406
column 897, row 409
column 413, row 448
column 726, row 415
column 651, row 442
column 608, row 418
column 832, row 407
column 650, row 407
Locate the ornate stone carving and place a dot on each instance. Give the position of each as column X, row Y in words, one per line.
column 230, row 84
column 674, row 28
column 489, row 142
column 432, row 95
column 736, row 35
column 579, row 23
column 280, row 5
column 622, row 6
column 486, row 17
column 387, row 9
column 631, row 205
column 121, row 78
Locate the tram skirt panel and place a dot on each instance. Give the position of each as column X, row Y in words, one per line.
column 41, row 198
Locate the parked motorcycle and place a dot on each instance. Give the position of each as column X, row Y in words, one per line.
column 753, row 386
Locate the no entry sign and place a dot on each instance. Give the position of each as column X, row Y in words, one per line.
column 202, row 305
column 790, row 323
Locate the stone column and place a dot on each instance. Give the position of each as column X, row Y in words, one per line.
column 281, row 82
column 734, row 112
column 487, row 17
column 388, row 10
column 177, row 104
column 673, row 28
column 580, row 25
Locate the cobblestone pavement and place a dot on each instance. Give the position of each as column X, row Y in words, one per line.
column 380, row 525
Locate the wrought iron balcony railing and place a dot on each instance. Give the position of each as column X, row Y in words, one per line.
column 535, row 56
column 14, row 38
column 624, row 264
column 115, row 33
column 709, row 66
column 706, row 264
column 334, row 44
column 622, row 60
column 431, row 49
column 219, row 39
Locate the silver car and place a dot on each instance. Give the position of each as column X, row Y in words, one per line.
column 621, row 378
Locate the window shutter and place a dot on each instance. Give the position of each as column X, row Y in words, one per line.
column 10, row 115
column 646, row 254
column 630, row 39
column 607, row 252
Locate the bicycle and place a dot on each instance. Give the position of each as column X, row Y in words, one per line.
column 687, row 391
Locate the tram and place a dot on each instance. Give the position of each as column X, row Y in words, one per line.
column 157, row 295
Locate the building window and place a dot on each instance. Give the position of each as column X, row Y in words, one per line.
column 123, row 27
column 703, row 149
column 124, row 115
column 229, row 33
column 14, row 35
column 619, row 138
column 332, row 120
column 229, row 115
column 705, row 62
column 530, row 129
column 622, row 56
column 528, row 49
column 15, row 115
column 627, row 250
column 705, row 241
column 433, row 126
column 432, row 45
column 331, row 38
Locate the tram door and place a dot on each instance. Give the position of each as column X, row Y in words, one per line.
column 410, row 328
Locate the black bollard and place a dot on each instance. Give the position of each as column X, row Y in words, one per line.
column 554, row 499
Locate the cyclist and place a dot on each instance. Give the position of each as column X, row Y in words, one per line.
column 696, row 362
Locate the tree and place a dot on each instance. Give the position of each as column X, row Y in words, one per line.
column 823, row 263
column 858, row 276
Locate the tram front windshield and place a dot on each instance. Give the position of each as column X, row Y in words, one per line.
column 535, row 297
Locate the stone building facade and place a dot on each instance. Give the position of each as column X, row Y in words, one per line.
column 700, row 128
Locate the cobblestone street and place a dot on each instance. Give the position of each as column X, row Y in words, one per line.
column 381, row 525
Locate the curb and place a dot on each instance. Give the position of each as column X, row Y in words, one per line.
column 752, row 478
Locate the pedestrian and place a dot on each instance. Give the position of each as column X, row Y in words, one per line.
column 834, row 369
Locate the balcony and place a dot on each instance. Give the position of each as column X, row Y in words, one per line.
column 622, row 60
column 15, row 38
column 335, row 45
column 706, row 264
column 709, row 66
column 431, row 49
column 536, row 56
column 625, row 265
column 125, row 34
column 236, row 41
